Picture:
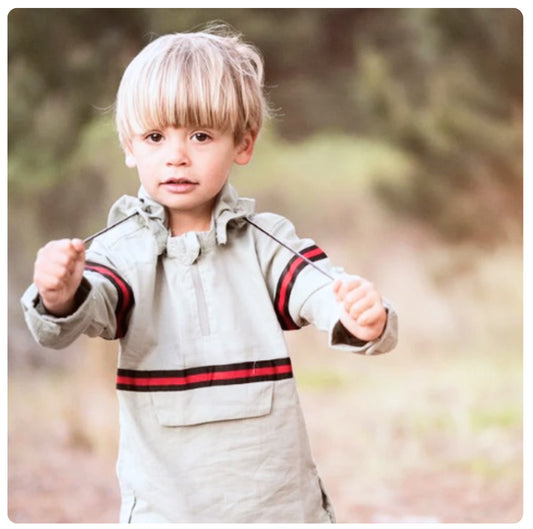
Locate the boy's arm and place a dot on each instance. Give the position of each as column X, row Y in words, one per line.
column 320, row 307
column 57, row 274
column 363, row 313
column 303, row 295
column 60, row 305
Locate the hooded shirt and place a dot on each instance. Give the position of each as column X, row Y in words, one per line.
column 211, row 429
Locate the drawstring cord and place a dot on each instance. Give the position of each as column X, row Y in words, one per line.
column 298, row 254
column 94, row 235
column 281, row 243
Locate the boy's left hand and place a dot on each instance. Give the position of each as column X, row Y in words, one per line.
column 363, row 312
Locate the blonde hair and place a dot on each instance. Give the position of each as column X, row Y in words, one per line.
column 209, row 78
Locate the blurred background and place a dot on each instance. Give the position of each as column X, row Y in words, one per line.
column 397, row 144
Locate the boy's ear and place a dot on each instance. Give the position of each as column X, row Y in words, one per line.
column 129, row 159
column 245, row 149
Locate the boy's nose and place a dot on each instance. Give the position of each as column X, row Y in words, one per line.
column 177, row 153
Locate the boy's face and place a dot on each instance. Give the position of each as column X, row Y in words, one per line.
column 184, row 169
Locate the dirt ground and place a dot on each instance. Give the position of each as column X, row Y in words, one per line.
column 58, row 474
column 426, row 495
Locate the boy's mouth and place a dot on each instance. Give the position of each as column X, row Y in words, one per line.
column 179, row 185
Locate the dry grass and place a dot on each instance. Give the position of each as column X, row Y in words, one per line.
column 391, row 434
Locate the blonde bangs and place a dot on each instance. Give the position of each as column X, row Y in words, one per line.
column 192, row 80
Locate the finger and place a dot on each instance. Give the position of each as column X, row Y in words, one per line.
column 47, row 267
column 49, row 282
column 365, row 290
column 77, row 245
column 355, row 295
column 355, row 310
column 60, row 264
column 56, row 269
column 336, row 289
column 53, row 254
column 372, row 316
column 78, row 262
column 60, row 245
column 63, row 253
column 348, row 285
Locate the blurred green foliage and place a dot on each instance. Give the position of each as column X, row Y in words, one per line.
column 443, row 85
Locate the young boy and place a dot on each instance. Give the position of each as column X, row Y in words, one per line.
column 211, row 427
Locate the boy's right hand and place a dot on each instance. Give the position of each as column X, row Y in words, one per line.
column 58, row 272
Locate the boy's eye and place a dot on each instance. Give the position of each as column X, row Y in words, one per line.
column 201, row 137
column 154, row 137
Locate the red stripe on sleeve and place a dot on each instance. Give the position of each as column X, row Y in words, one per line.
column 125, row 299
column 287, row 281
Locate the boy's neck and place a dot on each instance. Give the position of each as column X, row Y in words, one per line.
column 184, row 221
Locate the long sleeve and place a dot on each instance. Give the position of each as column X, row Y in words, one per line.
column 302, row 295
column 104, row 303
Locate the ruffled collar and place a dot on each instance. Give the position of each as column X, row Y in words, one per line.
column 229, row 211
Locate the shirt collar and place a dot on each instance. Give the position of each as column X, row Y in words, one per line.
column 229, row 211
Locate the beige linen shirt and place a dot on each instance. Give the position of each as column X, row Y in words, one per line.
column 211, row 426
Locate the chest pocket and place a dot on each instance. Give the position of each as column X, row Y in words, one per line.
column 215, row 403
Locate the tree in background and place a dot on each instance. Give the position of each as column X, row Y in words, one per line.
column 444, row 84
